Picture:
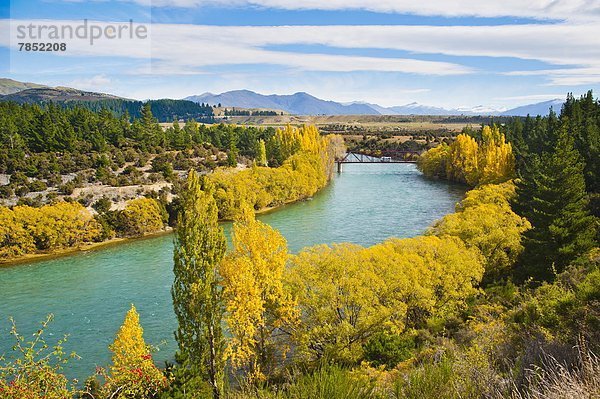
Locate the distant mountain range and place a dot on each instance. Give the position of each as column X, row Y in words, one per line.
column 305, row 104
column 542, row 108
column 297, row 104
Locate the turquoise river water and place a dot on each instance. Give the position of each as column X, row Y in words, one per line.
column 89, row 292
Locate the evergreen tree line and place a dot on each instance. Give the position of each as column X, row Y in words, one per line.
column 35, row 138
column 558, row 185
column 50, row 127
column 165, row 110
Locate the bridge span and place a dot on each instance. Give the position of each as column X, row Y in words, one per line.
column 385, row 157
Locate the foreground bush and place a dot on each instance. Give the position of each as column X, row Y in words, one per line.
column 35, row 371
column 348, row 293
column 327, row 382
column 556, row 381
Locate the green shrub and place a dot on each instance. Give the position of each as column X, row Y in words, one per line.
column 37, row 185
column 385, row 349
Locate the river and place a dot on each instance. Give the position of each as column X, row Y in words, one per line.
column 90, row 292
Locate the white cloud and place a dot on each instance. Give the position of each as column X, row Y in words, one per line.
column 189, row 49
column 574, row 46
column 97, row 82
column 186, row 48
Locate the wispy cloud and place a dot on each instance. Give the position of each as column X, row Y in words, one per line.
column 189, row 49
column 576, row 47
column 566, row 76
column 97, row 82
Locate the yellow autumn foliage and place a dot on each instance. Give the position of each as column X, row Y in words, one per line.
column 26, row 229
column 462, row 164
column 141, row 216
column 433, row 162
column 484, row 220
column 132, row 373
column 257, row 303
column 496, row 159
column 308, row 166
column 471, row 162
column 347, row 293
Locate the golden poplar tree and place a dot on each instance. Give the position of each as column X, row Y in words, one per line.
column 132, row 373
column 261, row 158
column 496, row 159
column 491, row 160
column 463, row 158
column 257, row 303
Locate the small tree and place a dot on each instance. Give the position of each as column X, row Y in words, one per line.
column 232, row 154
column 133, row 373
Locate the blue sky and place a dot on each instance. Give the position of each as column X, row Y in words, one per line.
column 461, row 53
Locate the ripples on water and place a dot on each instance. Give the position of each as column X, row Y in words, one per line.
column 89, row 293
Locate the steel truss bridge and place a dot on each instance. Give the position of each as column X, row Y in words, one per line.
column 389, row 156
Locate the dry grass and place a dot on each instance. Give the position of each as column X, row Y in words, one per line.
column 554, row 380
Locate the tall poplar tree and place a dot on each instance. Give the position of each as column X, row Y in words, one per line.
column 551, row 195
column 261, row 158
column 258, row 305
column 197, row 293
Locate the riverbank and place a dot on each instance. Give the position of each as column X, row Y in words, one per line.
column 65, row 252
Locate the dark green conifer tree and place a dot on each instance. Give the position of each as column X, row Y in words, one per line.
column 551, row 195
